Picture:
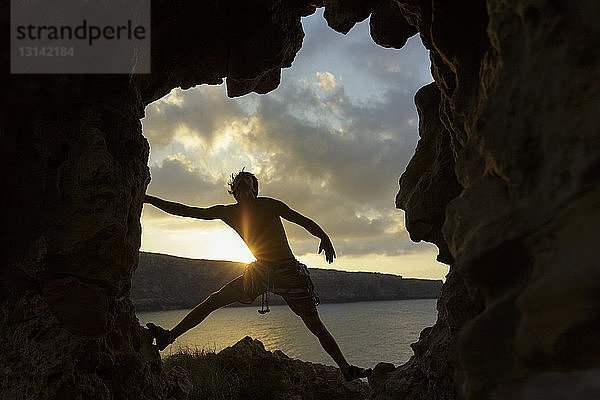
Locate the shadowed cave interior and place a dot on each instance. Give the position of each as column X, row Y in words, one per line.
column 504, row 181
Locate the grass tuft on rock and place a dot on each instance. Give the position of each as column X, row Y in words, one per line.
column 219, row 378
column 246, row 371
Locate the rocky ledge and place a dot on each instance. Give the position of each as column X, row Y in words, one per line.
column 247, row 371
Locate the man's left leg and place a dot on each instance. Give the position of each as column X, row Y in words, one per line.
column 299, row 298
column 317, row 327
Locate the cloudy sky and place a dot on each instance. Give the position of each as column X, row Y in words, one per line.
column 330, row 142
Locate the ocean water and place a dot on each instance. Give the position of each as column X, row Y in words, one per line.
column 367, row 332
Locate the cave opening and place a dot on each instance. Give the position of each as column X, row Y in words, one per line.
column 504, row 168
column 331, row 141
column 338, row 131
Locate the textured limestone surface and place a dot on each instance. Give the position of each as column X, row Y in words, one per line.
column 73, row 174
column 518, row 105
column 513, row 113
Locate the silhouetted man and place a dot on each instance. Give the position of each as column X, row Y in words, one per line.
column 258, row 221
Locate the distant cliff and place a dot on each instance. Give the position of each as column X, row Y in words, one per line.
column 164, row 282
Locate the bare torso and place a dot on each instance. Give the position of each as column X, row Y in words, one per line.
column 259, row 225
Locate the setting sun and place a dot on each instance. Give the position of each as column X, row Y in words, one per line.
column 210, row 240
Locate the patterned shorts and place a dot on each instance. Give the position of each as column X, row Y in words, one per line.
column 290, row 279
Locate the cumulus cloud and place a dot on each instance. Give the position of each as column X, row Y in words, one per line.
column 326, row 80
column 176, row 178
column 201, row 113
column 390, row 246
column 359, row 161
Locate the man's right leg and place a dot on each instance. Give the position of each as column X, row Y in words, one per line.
column 230, row 293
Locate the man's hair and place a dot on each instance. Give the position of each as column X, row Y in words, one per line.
column 243, row 178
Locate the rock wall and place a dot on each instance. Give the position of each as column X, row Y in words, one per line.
column 73, row 165
column 524, row 229
column 426, row 187
column 73, row 178
column 516, row 95
column 516, row 92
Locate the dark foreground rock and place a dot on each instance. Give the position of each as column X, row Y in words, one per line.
column 73, row 174
column 247, row 371
column 164, row 282
column 505, row 181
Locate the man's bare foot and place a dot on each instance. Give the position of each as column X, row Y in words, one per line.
column 163, row 336
column 353, row 372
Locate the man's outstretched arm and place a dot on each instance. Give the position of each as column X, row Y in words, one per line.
column 311, row 226
column 214, row 212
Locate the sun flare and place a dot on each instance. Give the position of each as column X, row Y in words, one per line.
column 220, row 243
